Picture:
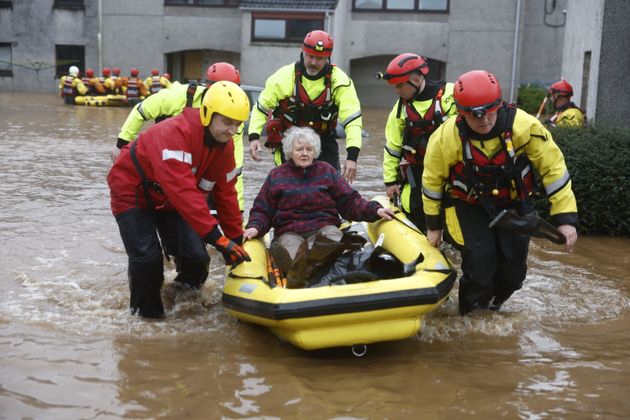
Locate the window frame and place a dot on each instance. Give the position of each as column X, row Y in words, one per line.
column 69, row 4
column 9, row 72
column 416, row 8
column 196, row 3
column 79, row 61
column 286, row 17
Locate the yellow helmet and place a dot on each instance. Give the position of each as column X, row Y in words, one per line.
column 225, row 98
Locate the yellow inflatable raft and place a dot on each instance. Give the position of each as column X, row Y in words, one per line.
column 105, row 100
column 352, row 315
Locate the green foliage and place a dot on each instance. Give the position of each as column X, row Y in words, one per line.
column 597, row 159
column 530, row 97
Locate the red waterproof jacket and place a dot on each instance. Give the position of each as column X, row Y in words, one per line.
column 174, row 155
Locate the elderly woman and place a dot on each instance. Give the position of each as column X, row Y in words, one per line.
column 302, row 200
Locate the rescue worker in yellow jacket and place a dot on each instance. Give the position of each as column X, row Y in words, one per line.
column 310, row 93
column 156, row 83
column 107, row 81
column 422, row 107
column 92, row 83
column 133, row 87
column 71, row 86
column 480, row 163
column 171, row 102
column 567, row 113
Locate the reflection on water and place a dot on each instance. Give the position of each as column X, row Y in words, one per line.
column 71, row 349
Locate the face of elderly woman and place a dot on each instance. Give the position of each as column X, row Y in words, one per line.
column 302, row 153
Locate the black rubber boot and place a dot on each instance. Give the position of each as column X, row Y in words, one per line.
column 145, row 282
column 192, row 273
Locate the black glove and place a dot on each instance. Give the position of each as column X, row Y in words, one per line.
column 233, row 254
column 121, row 143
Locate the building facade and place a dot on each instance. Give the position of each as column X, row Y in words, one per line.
column 519, row 41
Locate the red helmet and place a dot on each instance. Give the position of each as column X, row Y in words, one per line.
column 155, row 72
column 106, row 71
column 134, row 72
column 476, row 93
column 318, row 43
column 89, row 73
column 167, row 76
column 563, row 88
column 402, row 66
column 223, row 71
column 116, row 71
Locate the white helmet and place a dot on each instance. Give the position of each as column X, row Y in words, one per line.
column 74, row 71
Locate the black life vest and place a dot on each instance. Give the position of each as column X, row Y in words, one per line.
column 492, row 181
column 299, row 110
column 419, row 128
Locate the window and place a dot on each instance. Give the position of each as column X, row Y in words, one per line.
column 401, row 5
column 216, row 3
column 69, row 4
column 284, row 28
column 68, row 55
column 6, row 59
column 8, row 4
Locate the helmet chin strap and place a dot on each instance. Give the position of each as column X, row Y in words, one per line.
column 417, row 88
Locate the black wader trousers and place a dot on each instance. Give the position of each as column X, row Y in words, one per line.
column 139, row 229
column 494, row 261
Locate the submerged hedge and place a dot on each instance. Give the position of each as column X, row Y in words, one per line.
column 598, row 159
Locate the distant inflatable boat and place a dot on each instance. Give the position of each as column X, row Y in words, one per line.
column 349, row 315
column 106, row 100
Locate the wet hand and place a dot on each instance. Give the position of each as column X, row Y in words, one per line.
column 350, row 171
column 570, row 234
column 254, row 148
column 386, row 214
column 435, row 237
column 250, row 233
column 391, row 190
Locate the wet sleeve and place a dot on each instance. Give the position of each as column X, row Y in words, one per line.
column 392, row 153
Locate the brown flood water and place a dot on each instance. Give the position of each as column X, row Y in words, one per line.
column 559, row 348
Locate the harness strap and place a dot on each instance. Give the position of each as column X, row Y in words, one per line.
column 190, row 94
column 146, row 183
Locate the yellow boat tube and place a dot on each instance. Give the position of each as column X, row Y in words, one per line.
column 345, row 315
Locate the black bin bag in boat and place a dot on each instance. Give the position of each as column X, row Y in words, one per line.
column 366, row 264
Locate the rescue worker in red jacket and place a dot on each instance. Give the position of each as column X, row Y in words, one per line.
column 158, row 185
column 567, row 113
column 313, row 93
column 170, row 102
column 421, row 108
column 479, row 164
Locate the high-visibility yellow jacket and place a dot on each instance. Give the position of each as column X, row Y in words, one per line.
column 529, row 137
column 74, row 83
column 281, row 85
column 395, row 128
column 171, row 102
column 570, row 117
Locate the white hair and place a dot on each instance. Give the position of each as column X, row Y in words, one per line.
column 303, row 134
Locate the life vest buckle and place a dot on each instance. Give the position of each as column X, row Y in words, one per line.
column 327, row 116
